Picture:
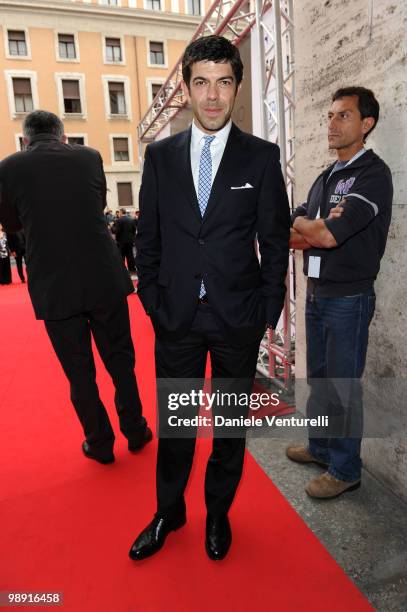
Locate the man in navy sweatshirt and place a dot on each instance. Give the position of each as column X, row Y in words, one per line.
column 342, row 229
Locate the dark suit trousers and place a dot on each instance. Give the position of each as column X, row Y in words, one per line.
column 126, row 250
column 71, row 339
column 183, row 359
column 19, row 262
column 5, row 271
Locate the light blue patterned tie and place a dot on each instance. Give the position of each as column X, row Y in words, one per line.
column 205, row 185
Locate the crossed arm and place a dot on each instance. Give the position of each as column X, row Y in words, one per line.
column 307, row 233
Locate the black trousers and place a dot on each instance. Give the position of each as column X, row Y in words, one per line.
column 71, row 339
column 5, row 271
column 19, row 262
column 126, row 250
column 186, row 359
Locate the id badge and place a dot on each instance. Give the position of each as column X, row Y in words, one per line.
column 314, row 264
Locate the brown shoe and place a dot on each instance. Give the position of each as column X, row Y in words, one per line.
column 301, row 454
column 327, row 486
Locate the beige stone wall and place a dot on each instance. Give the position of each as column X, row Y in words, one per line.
column 340, row 42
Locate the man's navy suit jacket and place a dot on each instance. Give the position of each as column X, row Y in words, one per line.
column 176, row 247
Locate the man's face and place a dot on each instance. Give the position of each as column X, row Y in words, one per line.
column 345, row 125
column 212, row 94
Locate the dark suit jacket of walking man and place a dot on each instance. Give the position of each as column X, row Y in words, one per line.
column 200, row 279
column 77, row 282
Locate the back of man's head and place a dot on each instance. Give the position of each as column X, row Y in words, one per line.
column 123, row 212
column 42, row 122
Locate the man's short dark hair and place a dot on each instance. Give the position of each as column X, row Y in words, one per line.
column 212, row 49
column 42, row 122
column 367, row 104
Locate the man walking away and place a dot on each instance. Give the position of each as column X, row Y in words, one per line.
column 125, row 230
column 77, row 282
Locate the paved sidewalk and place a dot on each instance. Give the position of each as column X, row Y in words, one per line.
column 364, row 530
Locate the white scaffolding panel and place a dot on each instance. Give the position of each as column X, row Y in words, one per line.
column 273, row 91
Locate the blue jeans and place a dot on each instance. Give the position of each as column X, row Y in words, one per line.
column 337, row 331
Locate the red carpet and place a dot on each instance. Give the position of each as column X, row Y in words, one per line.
column 67, row 523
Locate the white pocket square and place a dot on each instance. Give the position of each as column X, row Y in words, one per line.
column 247, row 186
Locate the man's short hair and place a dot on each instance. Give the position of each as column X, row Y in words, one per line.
column 367, row 104
column 212, row 49
column 42, row 122
column 123, row 211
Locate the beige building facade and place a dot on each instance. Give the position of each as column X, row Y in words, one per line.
column 98, row 66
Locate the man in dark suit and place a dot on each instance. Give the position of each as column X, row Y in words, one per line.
column 124, row 230
column 205, row 195
column 77, row 282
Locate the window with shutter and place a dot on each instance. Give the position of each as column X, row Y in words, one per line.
column 76, row 140
column 155, row 88
column 125, row 195
column 66, row 46
column 16, row 42
column 154, row 5
column 22, row 95
column 117, row 98
column 71, row 94
column 194, row 7
column 157, row 53
column 121, row 149
column 113, row 50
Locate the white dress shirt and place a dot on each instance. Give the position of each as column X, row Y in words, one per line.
column 217, row 148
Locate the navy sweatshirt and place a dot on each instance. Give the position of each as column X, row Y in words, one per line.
column 361, row 232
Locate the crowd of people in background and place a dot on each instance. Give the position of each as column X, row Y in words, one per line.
column 11, row 245
column 123, row 227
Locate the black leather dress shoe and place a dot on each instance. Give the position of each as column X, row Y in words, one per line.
column 218, row 537
column 153, row 537
column 87, row 451
column 136, row 445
